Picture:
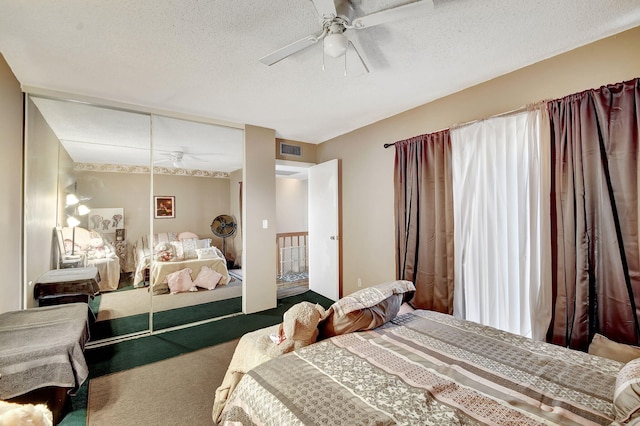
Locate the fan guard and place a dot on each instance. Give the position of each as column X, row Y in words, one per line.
column 224, row 226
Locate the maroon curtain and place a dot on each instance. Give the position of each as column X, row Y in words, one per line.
column 424, row 219
column 594, row 215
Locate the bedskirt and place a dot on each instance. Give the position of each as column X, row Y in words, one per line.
column 427, row 368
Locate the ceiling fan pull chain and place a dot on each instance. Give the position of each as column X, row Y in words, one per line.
column 345, row 64
column 323, row 54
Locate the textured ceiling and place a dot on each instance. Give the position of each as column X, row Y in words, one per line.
column 202, row 57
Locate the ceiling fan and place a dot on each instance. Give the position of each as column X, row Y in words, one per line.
column 336, row 17
column 176, row 158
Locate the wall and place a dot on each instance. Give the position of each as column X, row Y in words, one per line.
column 368, row 224
column 11, row 114
column 198, row 201
column 43, row 178
column 129, row 191
column 258, row 200
column 292, row 205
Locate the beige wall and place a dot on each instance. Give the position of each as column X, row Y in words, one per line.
column 42, row 179
column 10, row 189
column 258, row 199
column 198, row 201
column 367, row 168
column 292, row 205
column 129, row 191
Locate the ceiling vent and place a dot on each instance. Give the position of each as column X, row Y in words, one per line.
column 292, row 150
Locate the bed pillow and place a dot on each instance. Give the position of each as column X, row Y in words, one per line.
column 164, row 252
column 180, row 281
column 208, row 253
column 365, row 309
column 203, row 243
column 187, row 235
column 207, row 278
column 189, row 246
column 601, row 346
column 178, row 251
column 626, row 396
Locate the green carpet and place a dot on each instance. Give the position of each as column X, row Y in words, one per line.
column 133, row 353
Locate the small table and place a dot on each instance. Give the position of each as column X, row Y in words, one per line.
column 67, row 286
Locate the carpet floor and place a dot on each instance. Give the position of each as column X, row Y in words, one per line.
column 138, row 300
column 178, row 390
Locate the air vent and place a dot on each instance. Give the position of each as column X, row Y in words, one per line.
column 293, row 150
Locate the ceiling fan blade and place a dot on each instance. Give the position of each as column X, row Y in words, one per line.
column 289, row 50
column 357, row 48
column 393, row 14
column 194, row 158
column 326, row 8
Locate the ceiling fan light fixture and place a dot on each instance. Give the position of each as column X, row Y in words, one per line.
column 335, row 44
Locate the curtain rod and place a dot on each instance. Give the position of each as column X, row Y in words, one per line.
column 456, row 126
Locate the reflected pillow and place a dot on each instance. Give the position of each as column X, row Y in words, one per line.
column 203, row 243
column 189, row 246
column 208, row 253
column 187, row 235
column 164, row 252
column 207, row 278
column 178, row 250
column 366, row 309
column 601, row 346
column 626, row 396
column 180, row 281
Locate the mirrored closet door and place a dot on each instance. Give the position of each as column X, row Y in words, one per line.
column 195, row 169
column 96, row 206
column 134, row 195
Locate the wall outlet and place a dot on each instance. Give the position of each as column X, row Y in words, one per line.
column 359, row 282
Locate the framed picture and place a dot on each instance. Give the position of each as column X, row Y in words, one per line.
column 165, row 207
column 106, row 220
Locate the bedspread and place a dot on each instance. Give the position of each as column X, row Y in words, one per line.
column 43, row 347
column 427, row 368
column 160, row 270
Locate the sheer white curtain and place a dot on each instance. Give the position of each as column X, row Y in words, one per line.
column 500, row 170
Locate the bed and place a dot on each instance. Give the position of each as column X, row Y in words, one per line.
column 43, row 347
column 165, row 253
column 425, row 367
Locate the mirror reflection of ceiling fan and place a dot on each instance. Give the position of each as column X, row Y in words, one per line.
column 337, row 20
column 177, row 158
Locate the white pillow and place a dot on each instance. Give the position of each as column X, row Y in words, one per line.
column 189, row 247
column 203, row 243
column 180, row 281
column 187, row 235
column 178, row 250
column 208, row 253
column 207, row 278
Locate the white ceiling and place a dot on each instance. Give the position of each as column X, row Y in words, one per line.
column 201, row 57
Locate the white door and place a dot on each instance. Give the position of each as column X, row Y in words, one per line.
column 323, row 243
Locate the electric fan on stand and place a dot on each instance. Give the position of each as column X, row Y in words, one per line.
column 224, row 226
